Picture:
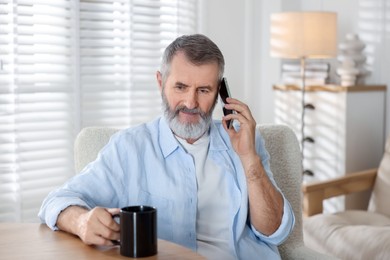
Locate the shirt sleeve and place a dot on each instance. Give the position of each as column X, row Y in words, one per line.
column 52, row 207
column 99, row 184
column 285, row 228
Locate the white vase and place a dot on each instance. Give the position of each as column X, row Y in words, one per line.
column 352, row 60
column 352, row 44
column 348, row 72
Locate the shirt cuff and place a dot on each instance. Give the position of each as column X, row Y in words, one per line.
column 285, row 228
column 50, row 215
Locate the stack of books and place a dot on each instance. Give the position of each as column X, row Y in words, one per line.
column 316, row 73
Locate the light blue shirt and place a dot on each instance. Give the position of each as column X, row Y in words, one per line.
column 147, row 165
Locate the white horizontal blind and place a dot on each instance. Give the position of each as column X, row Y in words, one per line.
column 104, row 61
column 47, row 92
column 121, row 45
column 35, row 104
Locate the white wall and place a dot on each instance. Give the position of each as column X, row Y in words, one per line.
column 225, row 23
column 241, row 29
column 237, row 27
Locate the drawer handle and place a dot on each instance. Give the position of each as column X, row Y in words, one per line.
column 309, row 106
column 308, row 172
column 308, row 139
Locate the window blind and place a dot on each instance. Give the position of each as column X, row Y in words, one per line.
column 35, row 103
column 121, row 43
column 69, row 64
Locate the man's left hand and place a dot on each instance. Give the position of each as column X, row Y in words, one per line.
column 243, row 140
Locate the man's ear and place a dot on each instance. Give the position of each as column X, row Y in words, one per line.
column 159, row 80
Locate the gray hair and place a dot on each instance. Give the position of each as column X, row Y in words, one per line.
column 198, row 49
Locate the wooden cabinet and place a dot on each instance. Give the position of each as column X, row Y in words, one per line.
column 346, row 124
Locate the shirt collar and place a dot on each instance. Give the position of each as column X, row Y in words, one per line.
column 217, row 143
column 169, row 144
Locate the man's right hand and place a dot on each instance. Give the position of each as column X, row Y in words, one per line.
column 94, row 227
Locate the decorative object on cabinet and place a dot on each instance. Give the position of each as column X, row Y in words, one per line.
column 348, row 72
column 316, row 72
column 352, row 61
column 303, row 35
column 347, row 126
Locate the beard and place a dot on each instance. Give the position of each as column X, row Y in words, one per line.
column 187, row 130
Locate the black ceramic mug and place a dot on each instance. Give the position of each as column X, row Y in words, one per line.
column 138, row 231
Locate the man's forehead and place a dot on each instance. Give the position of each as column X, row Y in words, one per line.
column 182, row 56
column 184, row 71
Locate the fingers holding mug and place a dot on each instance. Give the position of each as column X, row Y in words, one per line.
column 97, row 227
column 110, row 228
column 111, row 222
column 136, row 233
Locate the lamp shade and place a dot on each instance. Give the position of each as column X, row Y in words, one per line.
column 297, row 35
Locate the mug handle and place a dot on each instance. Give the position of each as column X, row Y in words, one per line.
column 117, row 219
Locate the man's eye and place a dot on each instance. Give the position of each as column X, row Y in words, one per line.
column 180, row 87
column 204, row 91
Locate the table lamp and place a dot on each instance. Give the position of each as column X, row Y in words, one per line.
column 303, row 35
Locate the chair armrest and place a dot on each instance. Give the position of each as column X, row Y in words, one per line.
column 314, row 193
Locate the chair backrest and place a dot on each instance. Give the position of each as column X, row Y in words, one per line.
column 88, row 143
column 286, row 165
column 381, row 190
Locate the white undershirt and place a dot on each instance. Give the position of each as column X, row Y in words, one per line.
column 212, row 219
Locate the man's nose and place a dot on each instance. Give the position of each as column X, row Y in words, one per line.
column 191, row 100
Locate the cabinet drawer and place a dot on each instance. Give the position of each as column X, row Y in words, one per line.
column 329, row 109
column 288, row 109
column 322, row 169
column 326, row 143
column 331, row 118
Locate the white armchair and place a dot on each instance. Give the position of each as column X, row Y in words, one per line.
column 286, row 165
column 353, row 233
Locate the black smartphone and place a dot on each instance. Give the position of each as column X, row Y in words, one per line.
column 224, row 93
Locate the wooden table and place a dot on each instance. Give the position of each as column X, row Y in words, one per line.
column 37, row 241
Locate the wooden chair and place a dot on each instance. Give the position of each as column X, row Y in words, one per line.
column 353, row 233
column 316, row 193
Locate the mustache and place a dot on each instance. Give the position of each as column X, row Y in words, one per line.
column 188, row 110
